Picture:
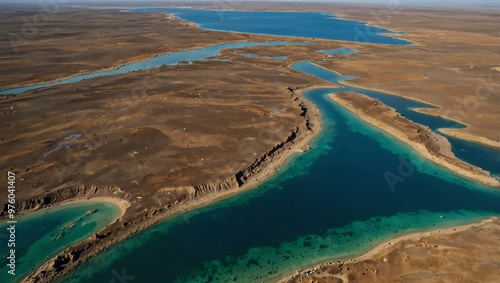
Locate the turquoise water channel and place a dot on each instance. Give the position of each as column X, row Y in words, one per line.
column 42, row 235
column 474, row 153
column 331, row 202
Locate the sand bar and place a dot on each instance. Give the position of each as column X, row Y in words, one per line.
column 120, row 203
column 460, row 134
column 430, row 145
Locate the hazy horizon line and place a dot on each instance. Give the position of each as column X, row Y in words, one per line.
column 416, row 3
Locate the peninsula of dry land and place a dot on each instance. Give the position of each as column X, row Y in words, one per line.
column 168, row 139
column 163, row 140
column 421, row 138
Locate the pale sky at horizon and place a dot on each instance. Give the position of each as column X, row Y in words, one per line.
column 448, row 3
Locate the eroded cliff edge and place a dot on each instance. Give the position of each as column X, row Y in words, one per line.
column 146, row 210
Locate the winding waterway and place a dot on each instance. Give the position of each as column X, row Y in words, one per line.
column 330, row 202
column 474, row 153
column 167, row 59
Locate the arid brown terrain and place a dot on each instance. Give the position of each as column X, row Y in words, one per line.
column 163, row 139
column 427, row 143
column 170, row 138
column 453, row 64
column 458, row 255
column 75, row 41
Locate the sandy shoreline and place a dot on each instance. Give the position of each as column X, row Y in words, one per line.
column 418, row 236
column 120, row 203
column 444, row 158
column 153, row 216
column 351, row 83
column 299, row 145
column 336, row 268
column 460, row 134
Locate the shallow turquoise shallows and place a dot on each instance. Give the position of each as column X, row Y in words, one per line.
column 474, row 153
column 43, row 234
column 331, row 202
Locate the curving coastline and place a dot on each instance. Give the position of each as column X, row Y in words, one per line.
column 461, row 134
column 131, row 223
column 199, row 195
column 433, row 147
column 187, row 198
column 120, row 203
column 412, row 257
column 190, row 197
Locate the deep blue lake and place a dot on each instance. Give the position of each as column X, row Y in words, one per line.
column 295, row 24
column 330, row 202
column 474, row 153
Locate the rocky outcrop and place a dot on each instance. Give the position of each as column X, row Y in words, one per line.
column 261, row 163
column 60, row 196
column 168, row 201
column 223, row 185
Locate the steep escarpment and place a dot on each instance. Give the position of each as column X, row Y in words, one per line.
column 62, row 195
column 223, row 185
column 147, row 210
column 260, row 164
